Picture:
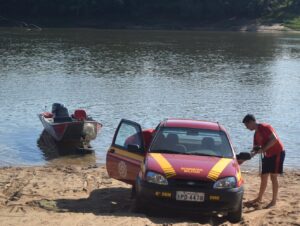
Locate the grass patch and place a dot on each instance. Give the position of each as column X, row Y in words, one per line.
column 293, row 23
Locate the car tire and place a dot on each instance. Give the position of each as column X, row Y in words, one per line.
column 236, row 216
column 139, row 205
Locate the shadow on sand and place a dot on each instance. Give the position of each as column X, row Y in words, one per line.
column 117, row 202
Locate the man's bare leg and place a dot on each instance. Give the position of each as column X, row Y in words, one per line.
column 262, row 189
column 275, row 186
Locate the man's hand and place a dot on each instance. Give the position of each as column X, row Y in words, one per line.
column 256, row 150
column 253, row 153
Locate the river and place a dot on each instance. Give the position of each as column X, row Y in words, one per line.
column 146, row 76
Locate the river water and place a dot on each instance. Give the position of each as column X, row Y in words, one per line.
column 146, row 76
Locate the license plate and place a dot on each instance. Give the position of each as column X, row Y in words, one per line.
column 190, row 196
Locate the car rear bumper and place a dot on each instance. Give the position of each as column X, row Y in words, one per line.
column 153, row 195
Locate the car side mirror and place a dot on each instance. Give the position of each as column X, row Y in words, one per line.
column 133, row 147
column 243, row 156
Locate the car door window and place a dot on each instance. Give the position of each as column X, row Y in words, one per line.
column 128, row 134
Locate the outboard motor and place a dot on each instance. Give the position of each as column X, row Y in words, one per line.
column 56, row 106
column 60, row 113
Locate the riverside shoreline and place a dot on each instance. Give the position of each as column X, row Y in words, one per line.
column 236, row 25
column 85, row 195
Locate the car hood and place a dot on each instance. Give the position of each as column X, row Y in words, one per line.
column 192, row 167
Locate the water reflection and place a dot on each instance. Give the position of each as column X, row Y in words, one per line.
column 69, row 152
column 147, row 76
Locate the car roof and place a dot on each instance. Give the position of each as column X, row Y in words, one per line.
column 191, row 123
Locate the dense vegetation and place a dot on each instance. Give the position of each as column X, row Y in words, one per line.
column 148, row 12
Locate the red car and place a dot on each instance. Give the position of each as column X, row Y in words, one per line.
column 181, row 164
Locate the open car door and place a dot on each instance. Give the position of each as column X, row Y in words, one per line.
column 126, row 153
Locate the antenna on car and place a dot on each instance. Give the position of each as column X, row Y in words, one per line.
column 219, row 125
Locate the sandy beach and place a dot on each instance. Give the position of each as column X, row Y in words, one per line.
column 85, row 196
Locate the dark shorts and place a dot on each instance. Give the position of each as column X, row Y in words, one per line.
column 273, row 164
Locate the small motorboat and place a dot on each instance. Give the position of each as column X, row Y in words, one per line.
column 77, row 128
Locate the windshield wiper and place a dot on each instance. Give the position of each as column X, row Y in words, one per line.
column 165, row 151
column 203, row 154
column 184, row 153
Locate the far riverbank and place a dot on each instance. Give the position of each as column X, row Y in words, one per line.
column 233, row 24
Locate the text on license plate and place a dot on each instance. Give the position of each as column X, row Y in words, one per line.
column 190, row 196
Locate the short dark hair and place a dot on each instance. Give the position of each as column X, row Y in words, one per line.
column 248, row 118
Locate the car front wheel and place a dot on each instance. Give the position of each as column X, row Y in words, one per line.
column 236, row 216
column 139, row 205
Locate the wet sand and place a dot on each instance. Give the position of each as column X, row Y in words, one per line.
column 85, row 195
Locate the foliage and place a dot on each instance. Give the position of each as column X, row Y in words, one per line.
column 192, row 11
column 293, row 23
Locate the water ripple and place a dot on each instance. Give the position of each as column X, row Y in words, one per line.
column 147, row 76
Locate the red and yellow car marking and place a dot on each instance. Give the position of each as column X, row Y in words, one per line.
column 164, row 164
column 191, row 170
column 239, row 177
column 218, row 168
column 128, row 154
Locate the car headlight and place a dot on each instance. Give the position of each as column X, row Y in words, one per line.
column 227, row 182
column 156, row 178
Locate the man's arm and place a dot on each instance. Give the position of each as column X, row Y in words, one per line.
column 272, row 140
column 270, row 143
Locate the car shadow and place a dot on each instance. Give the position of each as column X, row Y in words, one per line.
column 117, row 202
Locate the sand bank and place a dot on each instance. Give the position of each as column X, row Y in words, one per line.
column 85, row 196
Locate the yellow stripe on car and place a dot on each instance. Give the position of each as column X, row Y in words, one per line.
column 239, row 177
column 164, row 164
column 218, row 168
column 128, row 154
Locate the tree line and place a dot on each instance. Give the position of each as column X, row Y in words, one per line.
column 147, row 10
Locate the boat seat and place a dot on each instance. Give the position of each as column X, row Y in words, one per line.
column 47, row 114
column 80, row 114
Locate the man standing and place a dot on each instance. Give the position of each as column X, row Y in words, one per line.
column 269, row 145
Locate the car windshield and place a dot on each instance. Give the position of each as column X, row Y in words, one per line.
column 191, row 141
